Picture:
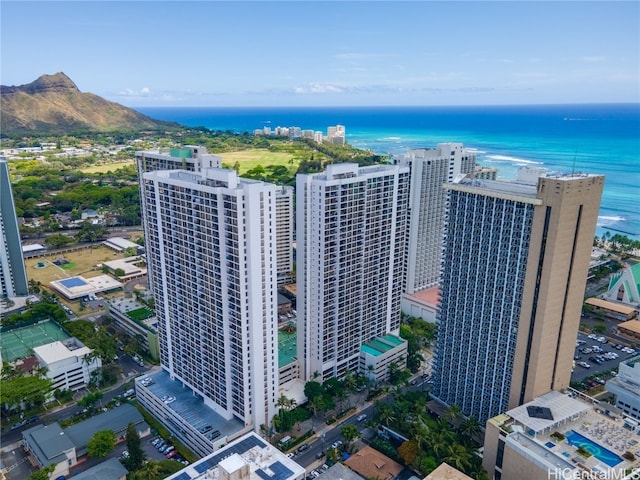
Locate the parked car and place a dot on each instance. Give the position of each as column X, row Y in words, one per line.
column 302, row 448
column 336, row 444
column 361, row 417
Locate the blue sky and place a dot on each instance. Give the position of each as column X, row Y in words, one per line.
column 333, row 53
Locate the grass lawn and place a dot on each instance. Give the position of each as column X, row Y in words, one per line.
column 107, row 167
column 249, row 159
column 81, row 262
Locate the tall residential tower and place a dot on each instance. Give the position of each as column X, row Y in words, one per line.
column 351, row 227
column 515, row 265
column 13, row 276
column 430, row 169
column 211, row 249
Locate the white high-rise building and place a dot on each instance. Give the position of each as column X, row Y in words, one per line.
column 195, row 159
column 190, row 157
column 284, row 233
column 13, row 276
column 350, row 235
column 430, row 170
column 211, row 249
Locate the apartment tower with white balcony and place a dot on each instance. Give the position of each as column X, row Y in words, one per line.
column 430, row 169
column 351, row 228
column 211, row 249
column 284, row 233
column 516, row 256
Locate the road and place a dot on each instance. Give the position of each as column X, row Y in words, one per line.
column 130, row 370
column 329, row 435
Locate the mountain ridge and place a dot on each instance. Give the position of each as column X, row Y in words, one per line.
column 54, row 104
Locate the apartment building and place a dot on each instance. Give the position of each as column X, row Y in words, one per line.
column 430, row 169
column 284, row 233
column 211, row 249
column 351, row 227
column 516, row 256
column 13, row 276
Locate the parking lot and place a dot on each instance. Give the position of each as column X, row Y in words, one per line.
column 598, row 355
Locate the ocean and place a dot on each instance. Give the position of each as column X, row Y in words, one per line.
column 599, row 139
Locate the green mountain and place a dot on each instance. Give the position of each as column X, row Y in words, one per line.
column 53, row 104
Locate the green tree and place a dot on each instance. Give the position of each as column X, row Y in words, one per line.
column 136, row 453
column 600, row 328
column 313, row 389
column 90, row 399
column 58, row 240
column 43, row 473
column 156, row 470
column 101, row 443
column 350, row 433
column 20, row 392
column 119, row 272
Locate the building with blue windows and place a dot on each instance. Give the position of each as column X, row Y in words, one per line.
column 514, row 269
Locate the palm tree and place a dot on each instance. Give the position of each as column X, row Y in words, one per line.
column 470, row 427
column 458, row 456
column 453, row 413
column 386, row 414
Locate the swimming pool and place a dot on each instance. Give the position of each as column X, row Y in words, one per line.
column 601, row 453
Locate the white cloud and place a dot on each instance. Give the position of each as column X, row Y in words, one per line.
column 128, row 92
column 319, row 88
column 593, row 59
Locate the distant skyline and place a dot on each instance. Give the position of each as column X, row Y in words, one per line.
column 328, row 53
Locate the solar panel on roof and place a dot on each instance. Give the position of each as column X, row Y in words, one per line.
column 183, row 476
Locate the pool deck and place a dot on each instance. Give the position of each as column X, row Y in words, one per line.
column 594, row 424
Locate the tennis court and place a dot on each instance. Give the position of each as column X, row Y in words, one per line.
column 18, row 342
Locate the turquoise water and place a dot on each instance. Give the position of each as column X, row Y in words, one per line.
column 601, row 453
column 598, row 139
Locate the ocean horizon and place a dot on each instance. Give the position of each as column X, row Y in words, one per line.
column 589, row 138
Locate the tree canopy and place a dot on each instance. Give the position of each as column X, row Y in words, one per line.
column 101, row 443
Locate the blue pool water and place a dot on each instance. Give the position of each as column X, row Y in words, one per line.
column 601, row 453
column 73, row 282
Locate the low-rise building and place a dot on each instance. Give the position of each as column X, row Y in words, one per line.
column 624, row 286
column 613, row 310
column 137, row 320
column 377, row 355
column 247, row 458
column 447, row 472
column 65, row 448
column 185, row 414
column 110, row 469
column 630, row 329
column 69, row 364
column 370, row 463
column 626, row 387
column 561, row 435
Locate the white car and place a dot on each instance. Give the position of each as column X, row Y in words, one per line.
column 336, row 444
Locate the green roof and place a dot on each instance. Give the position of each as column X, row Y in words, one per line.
column 393, row 339
column 370, row 350
column 287, row 348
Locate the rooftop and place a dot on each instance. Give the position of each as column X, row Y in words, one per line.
column 447, row 472
column 48, row 443
column 115, row 419
column 264, row 462
column 580, row 420
column 188, row 407
column 108, row 470
column 57, row 351
column 370, row 463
